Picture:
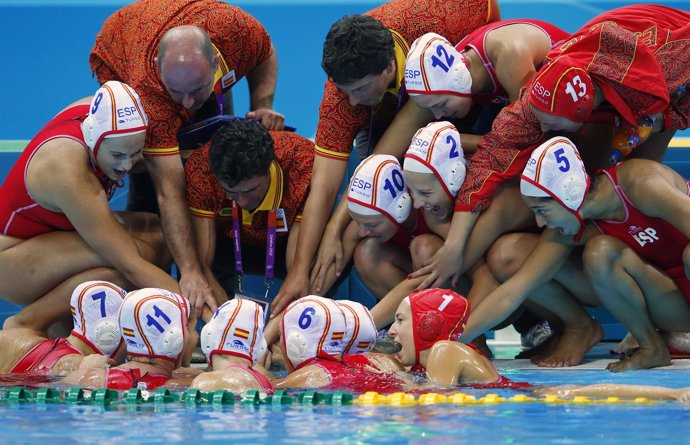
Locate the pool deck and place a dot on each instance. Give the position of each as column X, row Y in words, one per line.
column 596, row 359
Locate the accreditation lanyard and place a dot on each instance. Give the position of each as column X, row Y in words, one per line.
column 218, row 92
column 270, row 248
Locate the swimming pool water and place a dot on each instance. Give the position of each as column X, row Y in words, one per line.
column 513, row 423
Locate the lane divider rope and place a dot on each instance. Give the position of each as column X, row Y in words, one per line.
column 193, row 397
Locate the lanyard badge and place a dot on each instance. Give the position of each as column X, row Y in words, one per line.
column 269, row 277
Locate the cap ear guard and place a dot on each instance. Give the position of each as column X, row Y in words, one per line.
column 206, row 339
column 261, row 350
column 402, row 205
column 107, row 336
column 572, row 191
column 88, row 129
column 429, row 326
column 171, row 342
column 296, row 347
column 456, row 176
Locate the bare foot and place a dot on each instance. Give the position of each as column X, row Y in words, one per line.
column 644, row 358
column 549, row 347
column 546, row 347
column 573, row 345
column 626, row 347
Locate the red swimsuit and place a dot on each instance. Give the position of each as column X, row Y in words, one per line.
column 477, row 40
column 261, row 379
column 42, row 357
column 122, row 379
column 653, row 239
column 20, row 215
column 350, row 375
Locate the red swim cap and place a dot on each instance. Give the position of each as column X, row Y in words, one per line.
column 437, row 314
column 564, row 89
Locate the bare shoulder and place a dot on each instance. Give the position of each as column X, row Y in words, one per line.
column 14, row 344
column 311, row 376
column 446, row 347
column 514, row 38
column 207, row 381
column 640, row 174
column 86, row 377
column 82, row 101
column 62, row 154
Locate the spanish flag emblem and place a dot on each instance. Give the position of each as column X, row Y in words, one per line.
column 128, row 332
column 74, row 311
column 363, row 344
column 338, row 336
column 241, row 333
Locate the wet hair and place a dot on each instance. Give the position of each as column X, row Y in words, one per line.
column 240, row 150
column 356, row 46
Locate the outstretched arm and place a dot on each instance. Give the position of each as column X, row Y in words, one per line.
column 168, row 178
column 398, row 136
column 205, row 236
column 547, row 258
column 323, row 278
column 517, row 58
column 326, row 178
column 80, row 196
column 603, row 390
column 383, row 312
column 447, row 264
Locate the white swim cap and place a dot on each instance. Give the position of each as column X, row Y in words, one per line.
column 434, row 66
column 361, row 331
column 556, row 170
column 378, row 188
column 115, row 110
column 237, row 328
column 313, row 327
column 95, row 306
column 154, row 323
column 437, row 149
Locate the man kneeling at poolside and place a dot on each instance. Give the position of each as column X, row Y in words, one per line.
column 95, row 337
column 159, row 335
column 246, row 193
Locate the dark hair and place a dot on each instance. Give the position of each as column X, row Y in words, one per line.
column 240, row 150
column 355, row 47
